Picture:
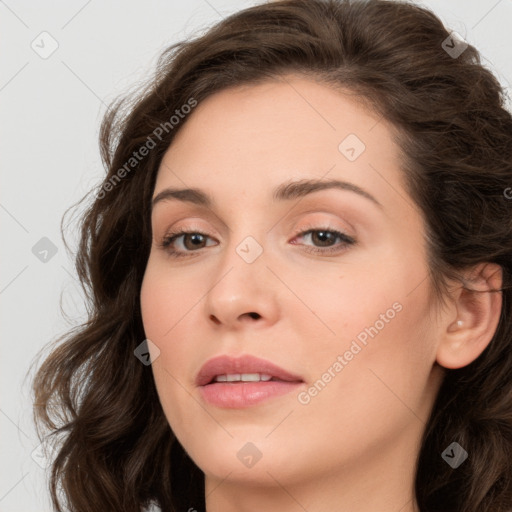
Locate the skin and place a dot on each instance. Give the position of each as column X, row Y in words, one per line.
column 353, row 446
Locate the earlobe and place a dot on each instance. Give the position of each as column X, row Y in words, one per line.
column 478, row 307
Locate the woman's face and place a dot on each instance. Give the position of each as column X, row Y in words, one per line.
column 349, row 315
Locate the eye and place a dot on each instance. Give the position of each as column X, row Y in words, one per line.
column 183, row 243
column 326, row 239
column 191, row 241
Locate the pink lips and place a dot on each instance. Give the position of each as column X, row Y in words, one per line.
column 243, row 394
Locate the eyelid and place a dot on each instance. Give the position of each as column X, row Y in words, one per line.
column 187, row 227
column 319, row 226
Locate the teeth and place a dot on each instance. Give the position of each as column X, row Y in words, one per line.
column 244, row 377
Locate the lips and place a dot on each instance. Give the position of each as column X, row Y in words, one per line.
column 226, row 365
column 231, row 393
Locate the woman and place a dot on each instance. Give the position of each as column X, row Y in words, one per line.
column 299, row 268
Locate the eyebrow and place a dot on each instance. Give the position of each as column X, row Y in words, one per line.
column 284, row 192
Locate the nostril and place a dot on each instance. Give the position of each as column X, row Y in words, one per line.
column 215, row 319
column 254, row 315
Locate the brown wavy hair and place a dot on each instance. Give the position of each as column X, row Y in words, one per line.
column 116, row 450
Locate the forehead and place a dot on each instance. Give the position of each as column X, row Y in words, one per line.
column 261, row 135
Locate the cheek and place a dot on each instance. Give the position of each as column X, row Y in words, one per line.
column 167, row 308
column 387, row 357
column 164, row 300
column 341, row 306
column 378, row 321
column 379, row 387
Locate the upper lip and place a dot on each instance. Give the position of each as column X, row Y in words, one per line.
column 225, row 365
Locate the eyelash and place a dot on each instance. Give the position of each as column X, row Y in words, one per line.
column 346, row 241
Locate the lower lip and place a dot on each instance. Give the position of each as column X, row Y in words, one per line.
column 244, row 394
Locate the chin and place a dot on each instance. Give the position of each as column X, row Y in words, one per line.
column 244, row 458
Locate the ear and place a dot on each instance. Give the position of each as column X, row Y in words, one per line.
column 471, row 321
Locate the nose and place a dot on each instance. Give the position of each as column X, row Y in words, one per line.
column 246, row 292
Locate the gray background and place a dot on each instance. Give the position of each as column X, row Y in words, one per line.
column 51, row 110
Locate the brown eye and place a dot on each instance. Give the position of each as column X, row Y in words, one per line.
column 183, row 242
column 196, row 240
column 324, row 240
